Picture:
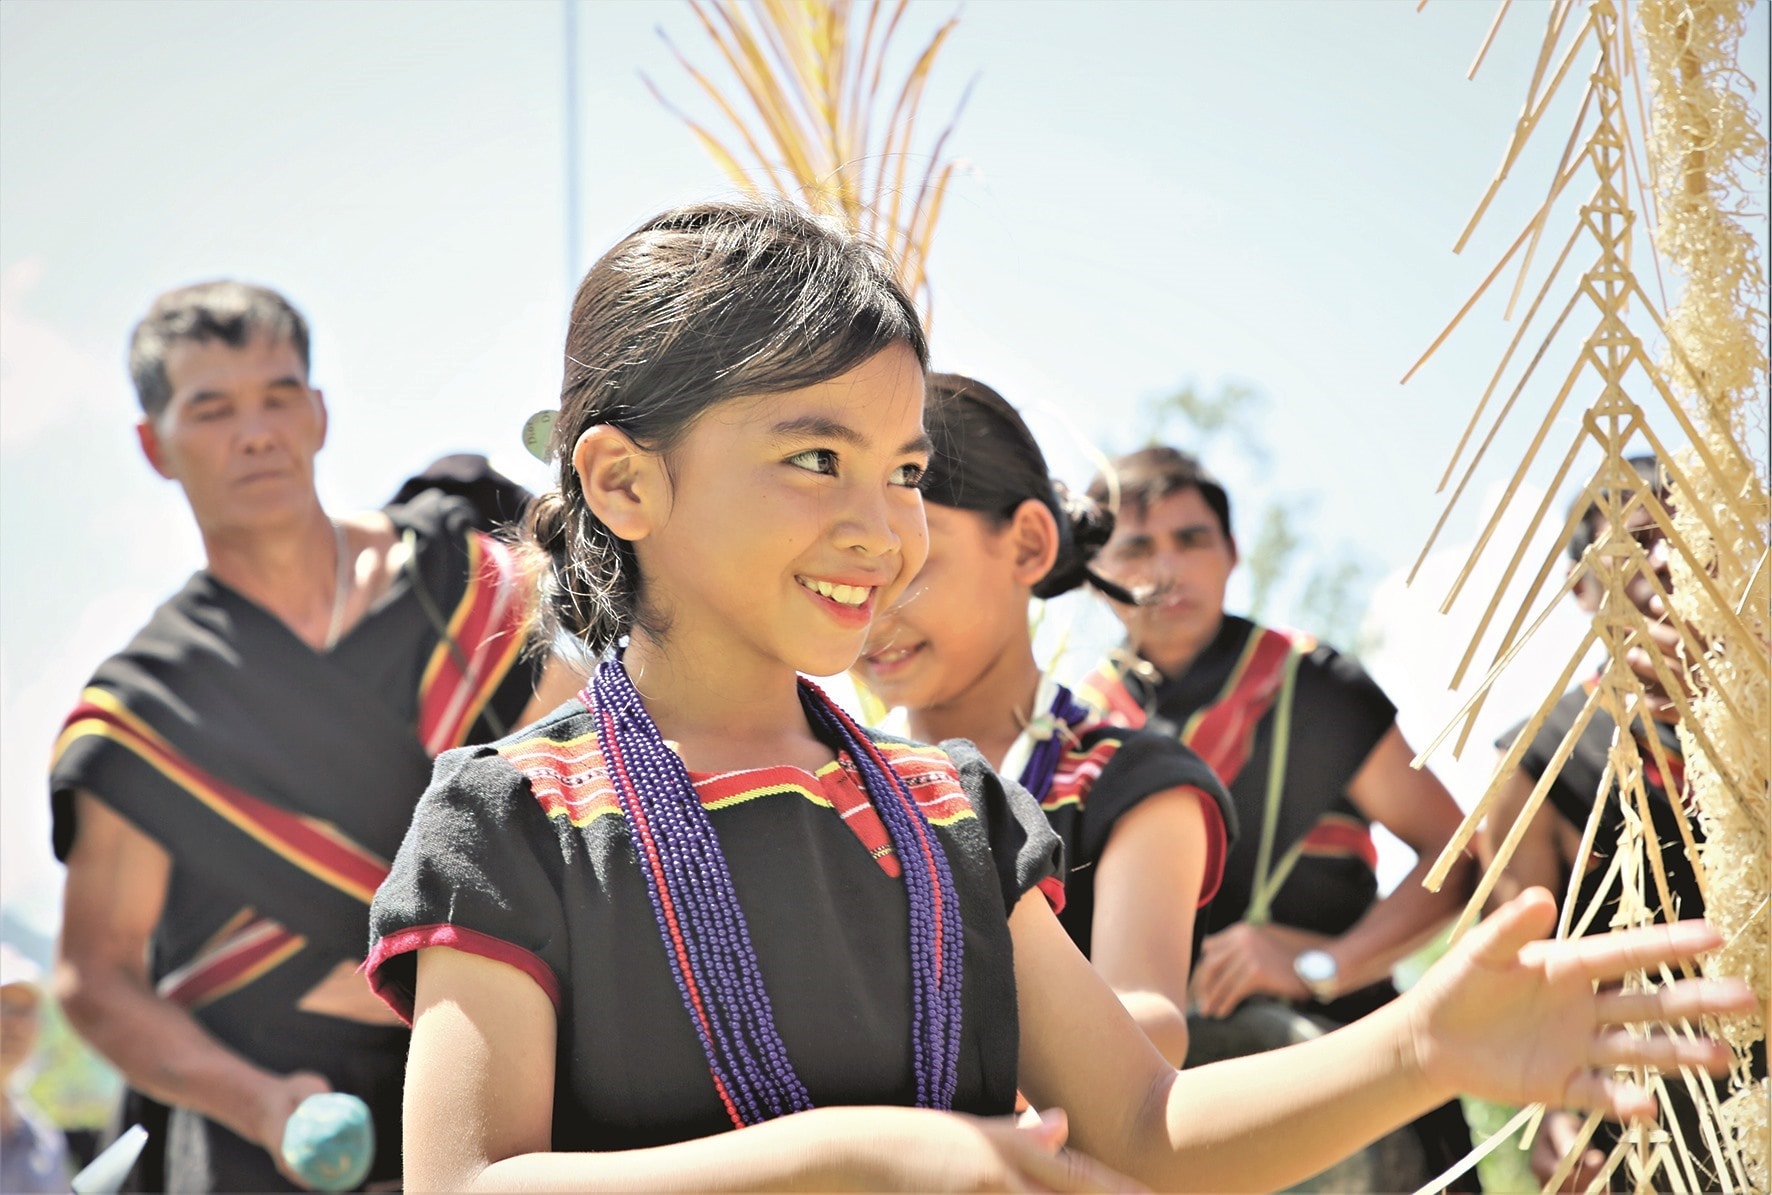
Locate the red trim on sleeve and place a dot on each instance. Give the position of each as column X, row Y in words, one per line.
column 1217, row 845
column 1052, row 888
column 468, row 941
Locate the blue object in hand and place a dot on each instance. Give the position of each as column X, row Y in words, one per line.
column 329, row 1141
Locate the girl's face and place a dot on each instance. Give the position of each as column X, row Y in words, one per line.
column 792, row 520
column 959, row 619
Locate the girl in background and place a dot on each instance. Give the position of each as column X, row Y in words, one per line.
column 696, row 930
column 1142, row 818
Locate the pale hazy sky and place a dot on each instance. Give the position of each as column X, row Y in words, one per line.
column 1264, row 190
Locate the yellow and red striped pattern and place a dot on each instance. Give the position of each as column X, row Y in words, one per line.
column 486, row 631
column 313, row 845
column 245, row 949
column 570, row 779
column 1338, row 836
column 1104, row 690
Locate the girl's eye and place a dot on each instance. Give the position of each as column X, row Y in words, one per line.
column 816, row 460
column 910, row 475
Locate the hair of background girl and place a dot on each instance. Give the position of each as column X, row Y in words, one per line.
column 986, row 460
column 701, row 304
column 1150, row 475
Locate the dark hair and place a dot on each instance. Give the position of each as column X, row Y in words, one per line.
column 1150, row 475
column 225, row 310
column 1647, row 467
column 702, row 304
column 986, row 460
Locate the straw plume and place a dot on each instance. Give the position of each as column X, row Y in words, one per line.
column 1686, row 162
column 812, row 110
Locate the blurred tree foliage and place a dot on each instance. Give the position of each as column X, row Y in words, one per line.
column 1294, row 573
column 75, row 1088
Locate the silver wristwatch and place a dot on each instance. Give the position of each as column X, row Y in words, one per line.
column 1316, row 970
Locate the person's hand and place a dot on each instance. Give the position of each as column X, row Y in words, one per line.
column 277, row 1103
column 919, row 1150
column 1246, row 960
column 1664, row 647
column 1556, row 1133
column 1507, row 1017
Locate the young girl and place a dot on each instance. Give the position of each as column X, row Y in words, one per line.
column 696, row 930
column 1142, row 818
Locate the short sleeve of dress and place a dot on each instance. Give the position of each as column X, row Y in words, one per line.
column 1028, row 853
column 1145, row 764
column 479, row 871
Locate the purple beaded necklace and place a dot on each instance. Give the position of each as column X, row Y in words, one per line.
column 1061, row 718
column 703, row 929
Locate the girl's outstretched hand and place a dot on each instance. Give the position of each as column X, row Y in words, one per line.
column 1510, row 1017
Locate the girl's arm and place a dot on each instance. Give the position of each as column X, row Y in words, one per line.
column 480, row 1105
column 1147, row 886
column 1503, row 1017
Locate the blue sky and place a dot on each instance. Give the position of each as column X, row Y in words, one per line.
column 1265, row 191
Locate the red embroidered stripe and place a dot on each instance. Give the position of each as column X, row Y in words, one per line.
column 1337, row 835
column 248, row 948
column 486, row 632
column 571, row 779
column 456, row 937
column 315, row 846
column 1077, row 772
column 1104, row 691
column 1223, row 733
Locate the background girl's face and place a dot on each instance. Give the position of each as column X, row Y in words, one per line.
column 793, row 520
column 958, row 619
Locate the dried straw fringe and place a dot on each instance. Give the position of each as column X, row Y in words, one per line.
column 1704, row 137
column 814, row 123
column 1698, row 147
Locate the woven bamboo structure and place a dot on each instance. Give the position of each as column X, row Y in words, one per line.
column 1688, row 156
column 820, row 121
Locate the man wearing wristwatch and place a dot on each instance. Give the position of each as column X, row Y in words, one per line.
column 1307, row 745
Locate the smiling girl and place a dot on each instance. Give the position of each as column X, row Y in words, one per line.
column 1142, row 818
column 696, row 930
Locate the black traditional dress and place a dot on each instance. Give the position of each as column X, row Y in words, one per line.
column 1286, row 723
column 1098, row 773
column 520, row 852
column 280, row 780
column 1577, row 787
column 1573, row 795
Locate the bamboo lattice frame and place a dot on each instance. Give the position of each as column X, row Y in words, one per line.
column 1712, row 383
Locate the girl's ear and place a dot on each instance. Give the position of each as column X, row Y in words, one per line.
column 624, row 485
column 1033, row 537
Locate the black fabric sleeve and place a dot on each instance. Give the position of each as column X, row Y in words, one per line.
column 1146, row 764
column 443, row 521
column 1339, row 716
column 1028, row 853
column 481, row 870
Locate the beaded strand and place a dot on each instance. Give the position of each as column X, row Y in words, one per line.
column 1065, row 714
column 937, row 935
column 707, row 943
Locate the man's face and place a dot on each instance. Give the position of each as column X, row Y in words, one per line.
column 1176, row 550
column 1640, row 525
column 239, row 433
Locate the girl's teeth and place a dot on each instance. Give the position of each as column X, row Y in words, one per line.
column 847, row 595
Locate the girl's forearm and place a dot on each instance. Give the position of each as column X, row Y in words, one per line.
column 1266, row 1121
column 830, row 1149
